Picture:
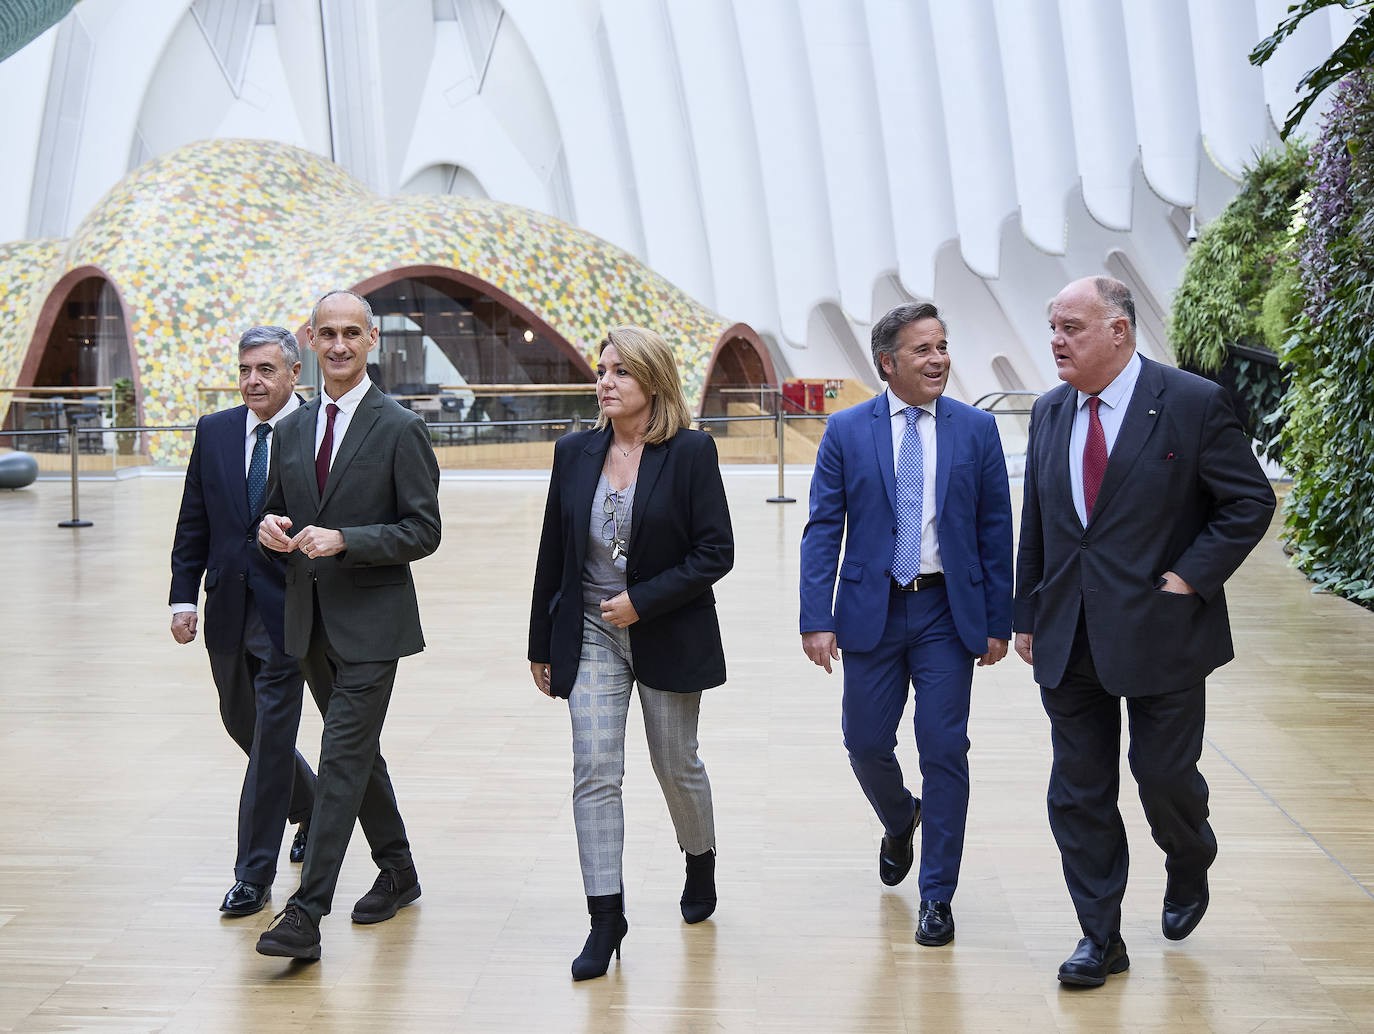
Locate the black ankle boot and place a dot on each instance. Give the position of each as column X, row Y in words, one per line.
column 608, row 930
column 699, row 892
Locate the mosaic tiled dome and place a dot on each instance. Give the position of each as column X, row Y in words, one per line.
column 209, row 239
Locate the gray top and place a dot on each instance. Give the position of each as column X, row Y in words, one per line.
column 603, row 575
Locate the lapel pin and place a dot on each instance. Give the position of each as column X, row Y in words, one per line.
column 1152, row 412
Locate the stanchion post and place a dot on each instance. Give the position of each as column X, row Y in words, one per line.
column 781, row 497
column 76, row 521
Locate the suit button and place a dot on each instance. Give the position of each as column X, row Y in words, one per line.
column 1083, row 544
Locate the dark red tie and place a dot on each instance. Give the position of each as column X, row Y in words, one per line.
column 1094, row 457
column 327, row 446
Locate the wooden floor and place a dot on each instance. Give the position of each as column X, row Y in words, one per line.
column 118, row 788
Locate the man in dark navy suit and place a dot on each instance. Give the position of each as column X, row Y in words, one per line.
column 259, row 684
column 915, row 486
column 1142, row 496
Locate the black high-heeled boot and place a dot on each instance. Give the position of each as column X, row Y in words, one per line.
column 608, row 930
column 699, row 892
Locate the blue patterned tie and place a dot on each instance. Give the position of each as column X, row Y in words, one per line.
column 257, row 469
column 906, row 561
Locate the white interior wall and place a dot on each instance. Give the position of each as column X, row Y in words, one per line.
column 797, row 164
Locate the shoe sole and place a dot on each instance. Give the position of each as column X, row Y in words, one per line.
column 238, row 913
column 310, row 954
column 366, row 918
column 1082, row 980
column 934, row 942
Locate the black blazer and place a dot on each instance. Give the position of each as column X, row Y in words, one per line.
column 215, row 536
column 383, row 494
column 1182, row 492
column 680, row 544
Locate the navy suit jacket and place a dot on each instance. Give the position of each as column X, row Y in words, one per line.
column 681, row 544
column 853, row 485
column 1183, row 492
column 216, row 536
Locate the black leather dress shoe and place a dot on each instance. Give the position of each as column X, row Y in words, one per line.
column 298, row 843
column 1090, row 963
column 294, row 935
column 935, row 926
column 1185, row 903
column 245, row 898
column 895, row 854
column 392, row 889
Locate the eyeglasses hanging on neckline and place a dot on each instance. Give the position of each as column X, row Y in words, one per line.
column 619, row 548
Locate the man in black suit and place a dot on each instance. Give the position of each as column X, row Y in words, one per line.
column 259, row 685
column 1142, row 496
column 352, row 500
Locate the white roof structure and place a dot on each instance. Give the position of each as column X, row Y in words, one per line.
column 799, row 165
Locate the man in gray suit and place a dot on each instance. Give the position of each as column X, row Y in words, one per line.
column 351, row 501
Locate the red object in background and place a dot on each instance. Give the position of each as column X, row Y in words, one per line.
column 803, row 396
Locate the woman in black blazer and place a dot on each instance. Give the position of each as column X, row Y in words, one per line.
column 636, row 531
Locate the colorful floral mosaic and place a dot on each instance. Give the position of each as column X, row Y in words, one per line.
column 28, row 270
column 207, row 240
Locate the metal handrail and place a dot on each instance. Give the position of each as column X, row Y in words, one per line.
column 988, row 403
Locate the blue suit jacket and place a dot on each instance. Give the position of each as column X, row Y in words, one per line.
column 217, row 536
column 853, row 485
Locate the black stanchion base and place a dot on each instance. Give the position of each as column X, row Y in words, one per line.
column 74, row 523
column 780, row 499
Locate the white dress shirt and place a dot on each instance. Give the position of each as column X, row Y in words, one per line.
column 250, row 439
column 930, row 542
column 1111, row 412
column 348, row 405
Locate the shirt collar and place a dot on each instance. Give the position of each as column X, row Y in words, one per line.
column 896, row 405
column 1122, row 386
column 349, row 402
column 293, row 403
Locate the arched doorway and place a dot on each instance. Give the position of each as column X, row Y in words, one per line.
column 81, row 341
column 738, row 369
column 456, row 349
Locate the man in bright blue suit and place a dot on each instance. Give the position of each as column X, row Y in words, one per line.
column 259, row 685
column 924, row 590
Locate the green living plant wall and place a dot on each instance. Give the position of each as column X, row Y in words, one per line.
column 1220, row 325
column 1329, row 407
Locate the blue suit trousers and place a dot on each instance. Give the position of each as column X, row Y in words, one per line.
column 920, row 647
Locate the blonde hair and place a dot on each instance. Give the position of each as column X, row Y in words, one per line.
column 650, row 362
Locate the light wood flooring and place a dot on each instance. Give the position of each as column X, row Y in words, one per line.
column 118, row 789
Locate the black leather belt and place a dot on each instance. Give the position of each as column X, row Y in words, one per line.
column 925, row 581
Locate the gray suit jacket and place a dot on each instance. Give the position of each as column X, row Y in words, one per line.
column 383, row 494
column 1183, row 492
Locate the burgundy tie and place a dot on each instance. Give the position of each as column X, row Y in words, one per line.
column 327, row 447
column 1094, row 457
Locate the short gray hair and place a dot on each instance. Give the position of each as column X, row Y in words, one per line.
column 885, row 331
column 266, row 334
column 1117, row 297
column 367, row 309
